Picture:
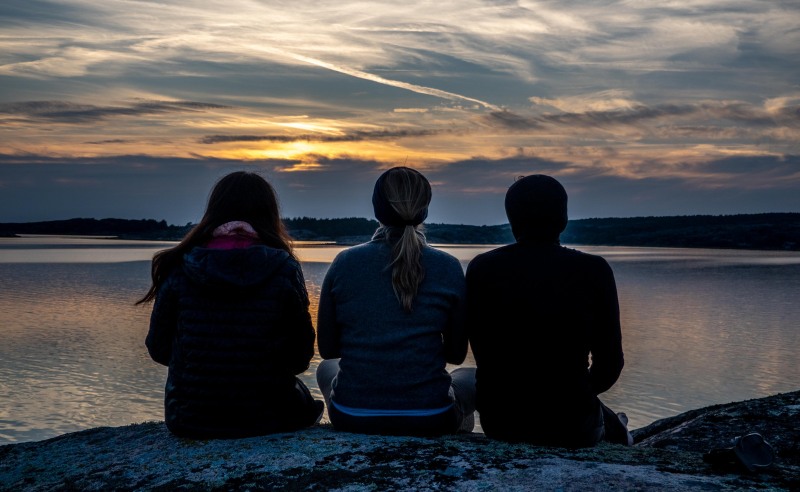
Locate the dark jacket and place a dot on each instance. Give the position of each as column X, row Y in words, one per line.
column 535, row 313
column 234, row 328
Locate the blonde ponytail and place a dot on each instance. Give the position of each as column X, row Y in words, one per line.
column 409, row 194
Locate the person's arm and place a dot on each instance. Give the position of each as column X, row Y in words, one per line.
column 606, row 344
column 455, row 336
column 475, row 311
column 163, row 324
column 327, row 326
column 300, row 349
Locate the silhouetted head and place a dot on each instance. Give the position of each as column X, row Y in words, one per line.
column 536, row 207
column 401, row 197
column 245, row 196
column 238, row 196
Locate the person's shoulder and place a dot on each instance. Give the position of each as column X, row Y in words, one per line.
column 494, row 254
column 438, row 253
column 443, row 266
column 356, row 254
column 578, row 253
column 261, row 254
column 589, row 260
column 492, row 262
column 433, row 256
column 357, row 250
column 174, row 278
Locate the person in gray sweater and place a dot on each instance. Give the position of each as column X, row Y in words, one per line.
column 391, row 317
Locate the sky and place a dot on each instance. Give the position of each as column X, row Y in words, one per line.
column 133, row 108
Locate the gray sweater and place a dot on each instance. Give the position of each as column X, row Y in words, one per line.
column 391, row 359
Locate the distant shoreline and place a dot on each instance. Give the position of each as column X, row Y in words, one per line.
column 766, row 231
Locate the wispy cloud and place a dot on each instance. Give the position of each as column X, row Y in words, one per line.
column 643, row 98
column 469, row 191
column 80, row 113
column 631, row 113
column 356, row 136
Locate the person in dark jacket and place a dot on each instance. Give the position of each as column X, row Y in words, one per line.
column 231, row 320
column 548, row 315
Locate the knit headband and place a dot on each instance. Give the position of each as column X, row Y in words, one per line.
column 385, row 212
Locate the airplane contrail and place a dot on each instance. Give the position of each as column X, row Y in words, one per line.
column 381, row 80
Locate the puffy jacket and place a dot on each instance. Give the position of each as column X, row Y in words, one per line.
column 233, row 327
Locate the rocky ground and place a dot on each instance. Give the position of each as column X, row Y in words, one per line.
column 667, row 455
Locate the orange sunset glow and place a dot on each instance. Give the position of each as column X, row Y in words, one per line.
column 674, row 109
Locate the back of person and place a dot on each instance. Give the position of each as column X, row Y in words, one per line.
column 231, row 321
column 391, row 317
column 391, row 358
column 539, row 315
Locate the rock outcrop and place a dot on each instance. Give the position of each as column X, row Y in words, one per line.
column 667, row 455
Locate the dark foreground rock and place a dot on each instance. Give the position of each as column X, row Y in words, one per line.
column 667, row 456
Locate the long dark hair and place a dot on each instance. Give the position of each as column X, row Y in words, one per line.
column 240, row 195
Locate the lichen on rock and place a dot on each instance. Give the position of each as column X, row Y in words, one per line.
column 667, row 455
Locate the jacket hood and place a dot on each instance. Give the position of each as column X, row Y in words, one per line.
column 233, row 268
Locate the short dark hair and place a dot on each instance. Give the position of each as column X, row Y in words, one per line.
column 536, row 207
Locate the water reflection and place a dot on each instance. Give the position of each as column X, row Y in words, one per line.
column 72, row 354
column 700, row 327
column 705, row 331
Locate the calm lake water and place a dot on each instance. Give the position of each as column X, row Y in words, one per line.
column 700, row 327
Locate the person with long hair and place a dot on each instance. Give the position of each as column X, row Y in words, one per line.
column 231, row 320
column 549, row 315
column 391, row 317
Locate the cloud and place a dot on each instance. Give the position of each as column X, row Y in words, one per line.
column 608, row 100
column 40, row 187
column 71, row 61
column 67, row 112
column 355, row 136
column 508, row 119
column 630, row 113
column 624, row 98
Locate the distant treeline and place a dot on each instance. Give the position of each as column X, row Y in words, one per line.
column 121, row 228
column 774, row 231
column 769, row 231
